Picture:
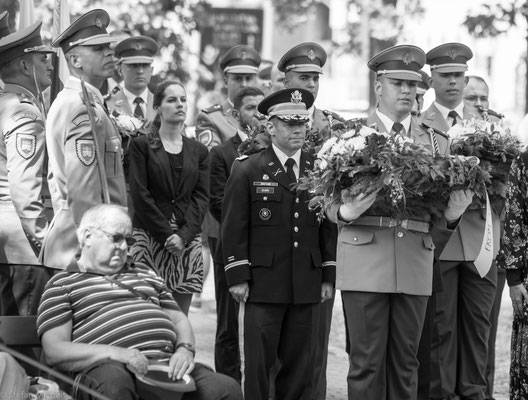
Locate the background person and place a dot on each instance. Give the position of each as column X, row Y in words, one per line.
column 92, row 319
column 169, row 186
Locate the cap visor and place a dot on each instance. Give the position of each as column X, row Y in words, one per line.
column 43, row 49
column 450, row 68
column 307, row 68
column 403, row 76
column 136, row 60
column 291, row 118
column 241, row 69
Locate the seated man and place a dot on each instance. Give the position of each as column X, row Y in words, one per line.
column 108, row 319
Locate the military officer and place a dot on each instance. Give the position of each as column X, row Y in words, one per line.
column 135, row 57
column 26, row 71
column 227, row 356
column 75, row 147
column 302, row 66
column 215, row 124
column 385, row 267
column 460, row 337
column 279, row 259
column 423, row 86
column 476, row 99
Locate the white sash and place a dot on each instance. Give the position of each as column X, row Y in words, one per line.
column 485, row 255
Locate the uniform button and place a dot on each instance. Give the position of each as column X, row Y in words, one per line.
column 295, row 244
column 296, row 229
column 355, row 239
column 296, row 215
column 400, row 234
column 173, row 201
column 265, row 198
column 297, row 200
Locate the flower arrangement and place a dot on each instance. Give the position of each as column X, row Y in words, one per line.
column 257, row 140
column 127, row 125
column 409, row 180
column 495, row 147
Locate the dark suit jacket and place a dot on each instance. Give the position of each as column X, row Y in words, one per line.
column 153, row 193
column 271, row 238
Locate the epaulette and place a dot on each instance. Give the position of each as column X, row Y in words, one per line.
column 438, row 131
column 216, row 107
column 242, row 157
column 24, row 98
column 334, row 115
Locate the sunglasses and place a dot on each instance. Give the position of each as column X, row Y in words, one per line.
column 118, row 238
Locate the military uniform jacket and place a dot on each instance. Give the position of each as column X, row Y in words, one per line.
column 119, row 103
column 22, row 156
column 215, row 125
column 269, row 236
column 388, row 259
column 466, row 241
column 73, row 171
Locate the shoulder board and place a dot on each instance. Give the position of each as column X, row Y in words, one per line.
column 24, row 98
column 243, row 157
column 437, row 131
column 216, row 107
column 333, row 115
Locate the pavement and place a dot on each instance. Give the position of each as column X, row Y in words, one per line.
column 203, row 320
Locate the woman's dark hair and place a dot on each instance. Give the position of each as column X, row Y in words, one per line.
column 159, row 95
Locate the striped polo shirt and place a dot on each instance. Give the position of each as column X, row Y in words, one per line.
column 102, row 312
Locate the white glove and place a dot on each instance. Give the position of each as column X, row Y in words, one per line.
column 353, row 207
column 459, row 200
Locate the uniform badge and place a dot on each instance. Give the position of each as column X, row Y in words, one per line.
column 26, row 145
column 138, row 46
column 407, row 58
column 265, row 177
column 265, row 214
column 85, row 149
column 205, row 137
column 243, row 55
column 296, row 97
column 311, row 54
column 452, row 54
column 99, row 23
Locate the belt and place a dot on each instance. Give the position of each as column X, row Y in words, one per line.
column 388, row 222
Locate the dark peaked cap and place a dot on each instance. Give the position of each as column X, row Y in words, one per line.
column 399, row 62
column 290, row 104
column 240, row 59
column 449, row 57
column 4, row 24
column 87, row 30
column 136, row 50
column 24, row 41
column 305, row 57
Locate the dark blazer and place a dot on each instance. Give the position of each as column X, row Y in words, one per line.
column 153, row 193
column 270, row 237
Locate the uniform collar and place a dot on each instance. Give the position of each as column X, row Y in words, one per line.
column 14, row 88
column 283, row 157
column 444, row 110
column 131, row 96
column 95, row 91
column 387, row 122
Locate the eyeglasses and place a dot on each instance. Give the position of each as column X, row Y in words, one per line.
column 117, row 238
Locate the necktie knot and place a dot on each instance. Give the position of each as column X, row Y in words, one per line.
column 290, row 162
column 138, row 111
column 397, row 128
column 454, row 115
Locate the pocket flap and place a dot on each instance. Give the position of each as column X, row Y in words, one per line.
column 356, row 238
column 112, row 145
column 428, row 242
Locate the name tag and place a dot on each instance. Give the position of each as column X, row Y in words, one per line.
column 265, row 184
column 266, row 190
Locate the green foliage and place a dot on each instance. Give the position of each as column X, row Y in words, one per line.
column 494, row 19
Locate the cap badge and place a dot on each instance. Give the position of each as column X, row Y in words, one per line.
column 452, row 54
column 296, row 97
column 138, row 47
column 99, row 23
column 311, row 55
column 243, row 55
column 407, row 58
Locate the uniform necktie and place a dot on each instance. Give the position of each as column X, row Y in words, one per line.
column 453, row 114
column 397, row 129
column 290, row 162
column 138, row 111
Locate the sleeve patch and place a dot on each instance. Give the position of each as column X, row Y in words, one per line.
column 24, row 114
column 83, row 119
column 205, row 137
column 26, row 145
column 85, row 149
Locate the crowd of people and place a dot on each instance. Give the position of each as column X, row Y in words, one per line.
column 106, row 228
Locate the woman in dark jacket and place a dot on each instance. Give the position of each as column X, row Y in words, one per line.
column 169, row 185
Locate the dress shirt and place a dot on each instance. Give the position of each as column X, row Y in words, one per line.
column 444, row 111
column 387, row 122
column 131, row 97
column 283, row 157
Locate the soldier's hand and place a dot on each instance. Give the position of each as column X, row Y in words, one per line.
column 353, row 207
column 174, row 244
column 327, row 291
column 240, row 292
column 459, row 200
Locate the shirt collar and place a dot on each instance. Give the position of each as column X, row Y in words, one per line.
column 387, row 122
column 131, row 96
column 444, row 110
column 283, row 157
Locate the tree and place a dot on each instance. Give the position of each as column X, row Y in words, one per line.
column 495, row 19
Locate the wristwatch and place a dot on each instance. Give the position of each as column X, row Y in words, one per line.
column 187, row 346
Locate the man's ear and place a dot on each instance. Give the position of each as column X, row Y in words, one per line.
column 236, row 114
column 270, row 127
column 377, row 88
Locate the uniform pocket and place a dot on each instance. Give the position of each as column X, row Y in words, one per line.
column 261, row 257
column 266, row 205
column 112, row 157
column 356, row 238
